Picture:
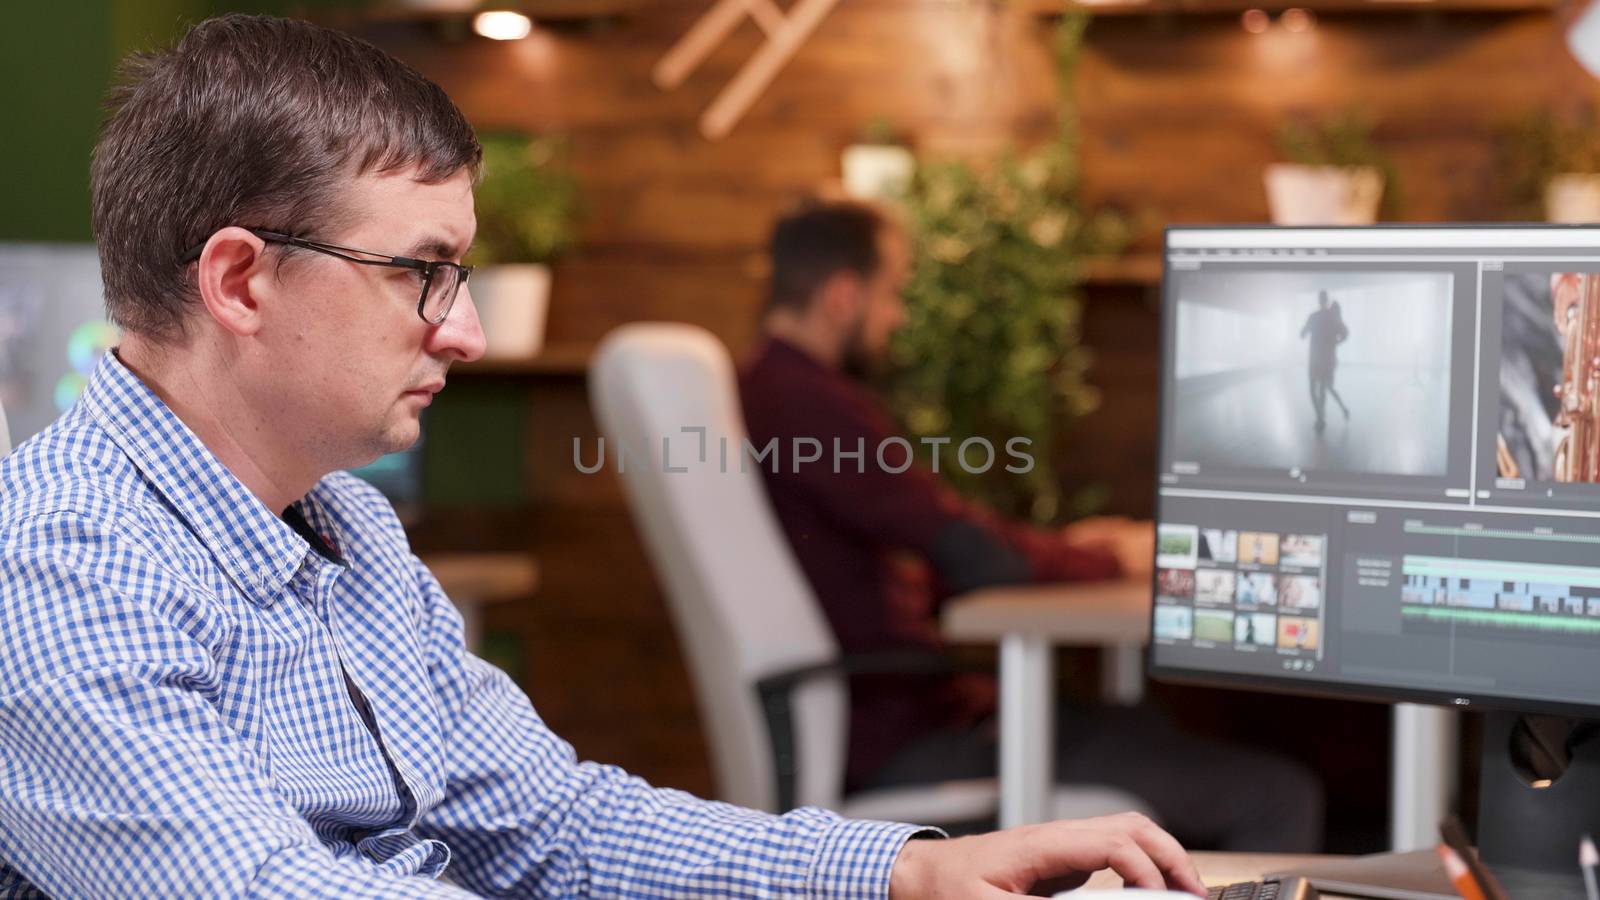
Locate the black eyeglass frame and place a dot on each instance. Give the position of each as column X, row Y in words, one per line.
column 428, row 267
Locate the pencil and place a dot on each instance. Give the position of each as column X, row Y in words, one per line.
column 1459, row 874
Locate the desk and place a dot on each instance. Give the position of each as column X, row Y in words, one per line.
column 1029, row 621
column 474, row 580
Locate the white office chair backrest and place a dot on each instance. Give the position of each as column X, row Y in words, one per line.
column 5, row 434
column 742, row 606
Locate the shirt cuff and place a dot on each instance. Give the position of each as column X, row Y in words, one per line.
column 856, row 857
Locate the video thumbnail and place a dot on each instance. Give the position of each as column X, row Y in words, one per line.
column 1258, row 548
column 1213, row 625
column 1175, row 585
column 1549, row 390
column 1298, row 634
column 1257, row 589
column 1317, row 371
column 1299, row 592
column 1174, row 623
column 1218, row 546
column 1177, row 546
column 1302, row 551
column 1255, row 628
column 1214, row 586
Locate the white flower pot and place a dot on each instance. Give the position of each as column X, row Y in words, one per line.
column 1323, row 195
column 877, row 171
column 512, row 302
column 1573, row 199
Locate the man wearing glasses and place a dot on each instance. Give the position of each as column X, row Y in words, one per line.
column 222, row 672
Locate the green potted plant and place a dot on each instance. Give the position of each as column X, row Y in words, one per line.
column 526, row 207
column 1334, row 174
column 992, row 346
column 1552, row 166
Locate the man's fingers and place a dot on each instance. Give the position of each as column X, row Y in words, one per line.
column 1061, row 848
column 1137, row 849
column 1128, row 859
column 1168, row 855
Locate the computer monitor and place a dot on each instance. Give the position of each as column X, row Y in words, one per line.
column 1379, row 474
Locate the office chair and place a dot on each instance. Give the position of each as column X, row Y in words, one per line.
column 5, row 434
column 768, row 675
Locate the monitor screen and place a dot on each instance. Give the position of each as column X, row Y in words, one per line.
column 1379, row 463
column 53, row 330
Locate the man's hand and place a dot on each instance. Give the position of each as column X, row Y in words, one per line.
column 1133, row 543
column 1017, row 861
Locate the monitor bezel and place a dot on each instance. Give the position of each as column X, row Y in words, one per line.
column 1320, row 687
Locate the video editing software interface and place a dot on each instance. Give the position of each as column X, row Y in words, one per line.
column 1380, row 460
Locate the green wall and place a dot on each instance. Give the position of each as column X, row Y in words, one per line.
column 56, row 61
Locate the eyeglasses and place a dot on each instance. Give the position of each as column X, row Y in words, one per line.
column 440, row 280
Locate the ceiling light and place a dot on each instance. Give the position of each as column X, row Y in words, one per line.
column 1298, row 20
column 502, row 25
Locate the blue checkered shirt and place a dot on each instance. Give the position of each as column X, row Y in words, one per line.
column 176, row 720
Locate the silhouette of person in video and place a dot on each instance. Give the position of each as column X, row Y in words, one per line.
column 1326, row 330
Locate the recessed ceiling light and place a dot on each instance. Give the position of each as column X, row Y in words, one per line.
column 502, row 25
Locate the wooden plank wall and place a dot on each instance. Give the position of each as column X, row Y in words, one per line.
column 1178, row 114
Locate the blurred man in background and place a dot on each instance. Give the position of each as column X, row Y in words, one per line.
column 883, row 542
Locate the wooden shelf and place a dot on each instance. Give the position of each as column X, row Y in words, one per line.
column 1135, row 269
column 1234, row 7
column 553, row 360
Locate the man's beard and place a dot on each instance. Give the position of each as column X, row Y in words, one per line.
column 858, row 361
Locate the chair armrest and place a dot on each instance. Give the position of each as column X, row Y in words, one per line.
column 775, row 693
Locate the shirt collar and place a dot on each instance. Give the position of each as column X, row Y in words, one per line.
column 258, row 550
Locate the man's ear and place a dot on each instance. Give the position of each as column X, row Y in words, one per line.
column 228, row 276
column 841, row 296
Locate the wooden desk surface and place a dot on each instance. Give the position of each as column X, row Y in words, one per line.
column 484, row 577
column 1227, row 868
column 1086, row 613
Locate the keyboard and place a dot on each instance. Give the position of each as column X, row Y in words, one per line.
column 1270, row 889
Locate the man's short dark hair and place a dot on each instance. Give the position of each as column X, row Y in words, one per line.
column 251, row 121
column 818, row 240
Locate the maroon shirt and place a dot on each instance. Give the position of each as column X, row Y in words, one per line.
column 881, row 549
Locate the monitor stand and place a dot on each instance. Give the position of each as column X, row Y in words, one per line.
column 1528, row 835
column 1539, row 795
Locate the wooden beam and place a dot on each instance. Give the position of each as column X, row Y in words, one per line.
column 692, row 49
column 785, row 35
column 736, row 99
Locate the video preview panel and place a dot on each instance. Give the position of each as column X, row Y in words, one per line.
column 1312, row 371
